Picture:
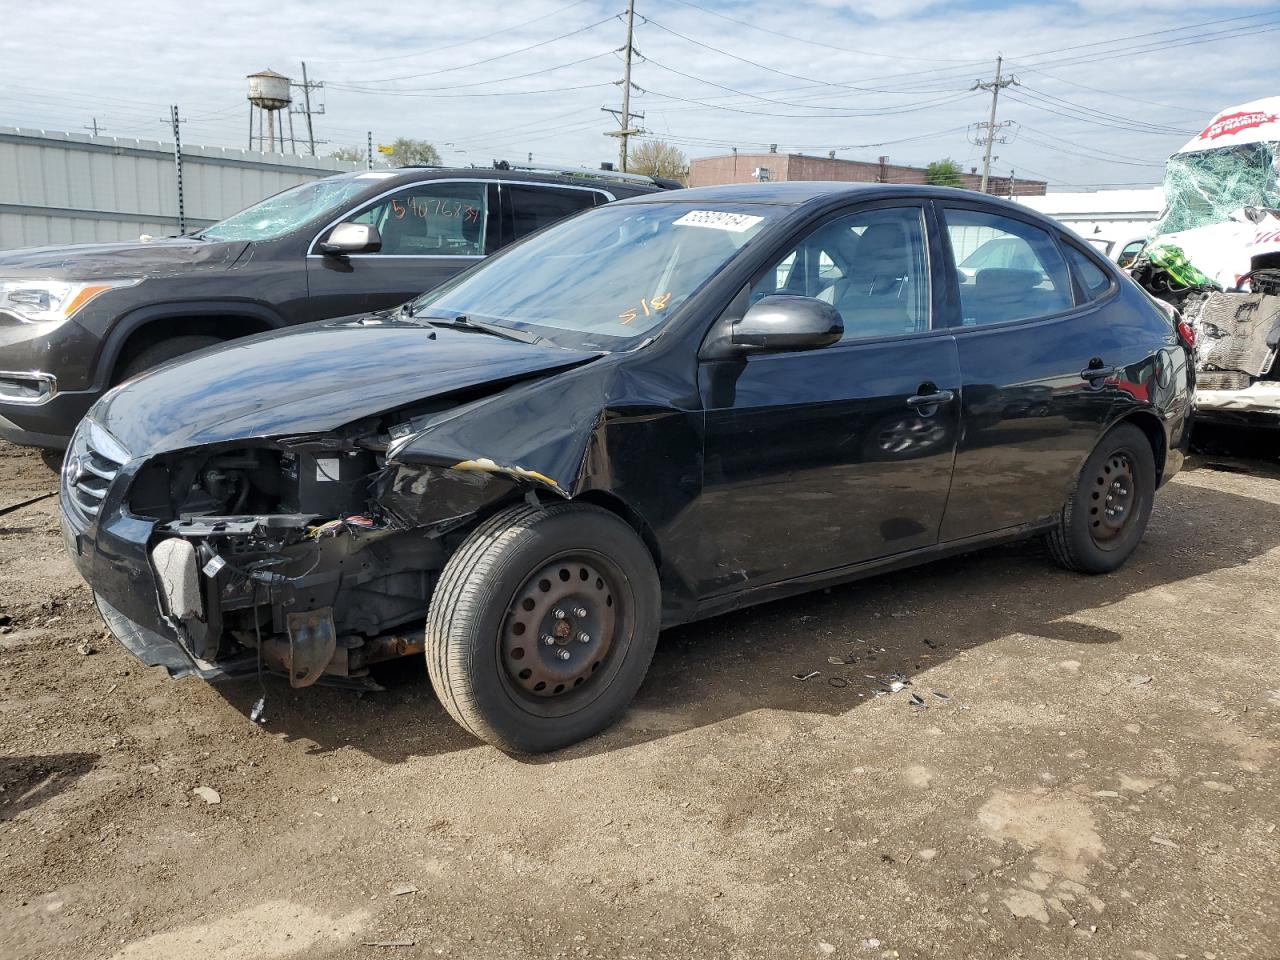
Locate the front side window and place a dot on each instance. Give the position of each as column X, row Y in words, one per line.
column 1130, row 253
column 609, row 277
column 441, row 218
column 871, row 266
column 533, row 208
column 1006, row 269
column 287, row 211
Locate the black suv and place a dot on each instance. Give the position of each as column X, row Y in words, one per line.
column 75, row 321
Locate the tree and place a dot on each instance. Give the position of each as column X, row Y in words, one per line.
column 406, row 152
column 354, row 154
column 655, row 158
column 944, row 173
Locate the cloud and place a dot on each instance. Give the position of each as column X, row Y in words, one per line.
column 902, row 72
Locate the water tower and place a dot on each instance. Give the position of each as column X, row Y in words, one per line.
column 269, row 93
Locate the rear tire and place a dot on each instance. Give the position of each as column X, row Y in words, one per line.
column 542, row 626
column 163, row 352
column 1106, row 516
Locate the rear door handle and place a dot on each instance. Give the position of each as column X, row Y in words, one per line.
column 1097, row 373
column 930, row 399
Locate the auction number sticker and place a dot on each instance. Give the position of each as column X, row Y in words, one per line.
column 719, row 220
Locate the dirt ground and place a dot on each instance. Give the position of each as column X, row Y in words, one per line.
column 1093, row 773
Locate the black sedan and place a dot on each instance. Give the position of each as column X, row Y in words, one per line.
column 654, row 412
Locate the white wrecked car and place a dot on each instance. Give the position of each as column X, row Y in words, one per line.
column 1215, row 255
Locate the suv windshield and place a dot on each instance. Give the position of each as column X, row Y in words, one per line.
column 286, row 211
column 606, row 277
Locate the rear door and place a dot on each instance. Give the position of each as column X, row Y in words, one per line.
column 1035, row 356
column 430, row 231
column 819, row 459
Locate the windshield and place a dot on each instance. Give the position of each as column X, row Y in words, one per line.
column 607, row 277
column 285, row 212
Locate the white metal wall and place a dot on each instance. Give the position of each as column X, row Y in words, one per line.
column 73, row 188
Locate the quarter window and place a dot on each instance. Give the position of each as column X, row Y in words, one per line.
column 1006, row 269
column 1092, row 278
column 871, row 266
column 442, row 218
column 533, row 208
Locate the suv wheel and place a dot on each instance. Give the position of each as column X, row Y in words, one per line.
column 542, row 626
column 163, row 352
column 1106, row 517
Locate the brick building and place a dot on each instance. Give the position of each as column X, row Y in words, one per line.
column 743, row 167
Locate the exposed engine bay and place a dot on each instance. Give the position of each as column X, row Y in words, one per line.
column 310, row 556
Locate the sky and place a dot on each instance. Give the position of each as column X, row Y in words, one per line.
column 1105, row 91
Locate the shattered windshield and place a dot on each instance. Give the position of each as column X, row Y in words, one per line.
column 286, row 211
column 1208, row 186
column 609, row 276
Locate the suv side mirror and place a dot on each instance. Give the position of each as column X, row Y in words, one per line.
column 348, row 238
column 787, row 323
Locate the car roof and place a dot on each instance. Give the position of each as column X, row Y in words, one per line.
column 798, row 192
column 601, row 180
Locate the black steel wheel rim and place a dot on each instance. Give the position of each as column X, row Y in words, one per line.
column 1113, row 500
column 563, row 628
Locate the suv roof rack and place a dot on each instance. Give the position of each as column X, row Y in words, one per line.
column 579, row 172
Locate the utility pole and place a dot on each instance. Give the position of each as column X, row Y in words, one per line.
column 93, row 127
column 177, row 166
column 989, row 137
column 308, row 110
column 625, row 115
column 368, row 153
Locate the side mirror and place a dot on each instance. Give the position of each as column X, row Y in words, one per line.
column 348, row 238
column 787, row 323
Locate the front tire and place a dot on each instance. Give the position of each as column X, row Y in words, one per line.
column 163, row 352
column 1106, row 516
column 542, row 626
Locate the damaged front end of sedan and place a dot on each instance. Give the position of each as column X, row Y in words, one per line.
column 312, row 556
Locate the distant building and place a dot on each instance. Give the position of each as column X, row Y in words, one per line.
column 754, row 167
column 1103, row 214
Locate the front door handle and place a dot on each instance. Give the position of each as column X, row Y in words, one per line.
column 930, row 399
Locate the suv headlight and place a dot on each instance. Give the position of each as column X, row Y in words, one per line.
column 39, row 301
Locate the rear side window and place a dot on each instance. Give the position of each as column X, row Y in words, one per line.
column 533, row 208
column 1006, row 269
column 1092, row 278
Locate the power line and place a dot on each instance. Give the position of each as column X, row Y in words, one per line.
column 462, row 43
column 848, row 114
column 818, row 43
column 1042, row 96
column 477, row 63
column 480, row 83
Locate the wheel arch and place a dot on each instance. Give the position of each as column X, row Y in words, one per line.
column 152, row 324
column 1153, row 429
column 616, row 505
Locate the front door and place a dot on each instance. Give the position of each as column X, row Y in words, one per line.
column 819, row 459
column 430, row 231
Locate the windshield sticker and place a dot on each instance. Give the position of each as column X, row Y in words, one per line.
column 650, row 307
column 375, row 175
column 719, row 220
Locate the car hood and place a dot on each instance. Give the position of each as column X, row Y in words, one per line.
column 97, row 261
column 311, row 379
